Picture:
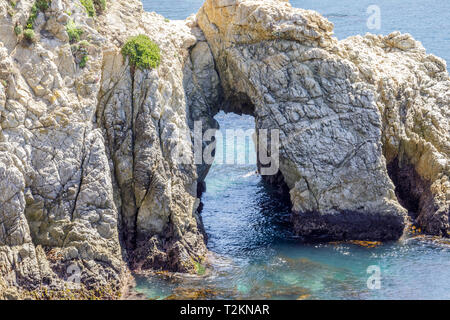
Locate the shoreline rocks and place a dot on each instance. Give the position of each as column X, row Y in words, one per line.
column 90, row 183
column 345, row 110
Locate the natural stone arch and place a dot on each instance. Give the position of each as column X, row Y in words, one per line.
column 337, row 111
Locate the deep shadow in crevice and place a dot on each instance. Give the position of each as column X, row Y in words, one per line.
column 240, row 104
column 279, row 186
column 412, row 192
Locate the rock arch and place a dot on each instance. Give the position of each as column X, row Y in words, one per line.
column 346, row 110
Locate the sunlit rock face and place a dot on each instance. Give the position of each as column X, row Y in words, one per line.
column 346, row 110
column 91, row 185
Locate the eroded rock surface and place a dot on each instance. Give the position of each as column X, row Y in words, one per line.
column 144, row 117
column 345, row 110
column 91, row 184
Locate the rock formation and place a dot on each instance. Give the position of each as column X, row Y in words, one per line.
column 346, row 110
column 90, row 182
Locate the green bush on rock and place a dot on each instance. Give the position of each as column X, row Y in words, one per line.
column 89, row 5
column 142, row 52
column 18, row 30
column 29, row 35
column 84, row 61
column 43, row 5
column 73, row 31
column 39, row 5
column 94, row 7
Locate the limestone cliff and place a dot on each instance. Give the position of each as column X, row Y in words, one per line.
column 350, row 113
column 90, row 182
column 88, row 186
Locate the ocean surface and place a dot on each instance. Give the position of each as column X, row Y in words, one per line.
column 253, row 252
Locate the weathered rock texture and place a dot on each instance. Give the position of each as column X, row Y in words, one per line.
column 346, row 110
column 144, row 117
column 90, row 182
column 87, row 177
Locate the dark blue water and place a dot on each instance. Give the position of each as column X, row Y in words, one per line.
column 255, row 255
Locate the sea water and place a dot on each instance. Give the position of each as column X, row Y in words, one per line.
column 254, row 253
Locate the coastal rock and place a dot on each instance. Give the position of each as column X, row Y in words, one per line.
column 144, row 114
column 91, row 182
column 348, row 112
column 58, row 220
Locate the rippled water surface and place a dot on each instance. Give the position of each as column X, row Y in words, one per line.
column 254, row 254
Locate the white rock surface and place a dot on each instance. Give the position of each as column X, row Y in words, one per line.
column 345, row 109
column 89, row 179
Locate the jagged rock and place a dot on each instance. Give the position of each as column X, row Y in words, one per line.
column 345, row 109
column 57, row 210
column 86, row 152
column 144, row 118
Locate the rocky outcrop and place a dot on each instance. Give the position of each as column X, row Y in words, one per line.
column 58, row 219
column 143, row 114
column 91, row 185
column 346, row 110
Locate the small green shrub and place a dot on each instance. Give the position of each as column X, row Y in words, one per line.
column 39, row 5
column 89, row 5
column 32, row 17
column 142, row 52
column 43, row 5
column 73, row 31
column 29, row 35
column 18, row 30
column 13, row 3
column 166, row 20
column 84, row 43
column 84, row 60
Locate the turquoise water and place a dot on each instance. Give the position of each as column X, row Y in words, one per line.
column 253, row 252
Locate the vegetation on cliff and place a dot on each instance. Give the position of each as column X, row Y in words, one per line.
column 89, row 5
column 73, row 31
column 39, row 5
column 94, row 7
column 142, row 52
